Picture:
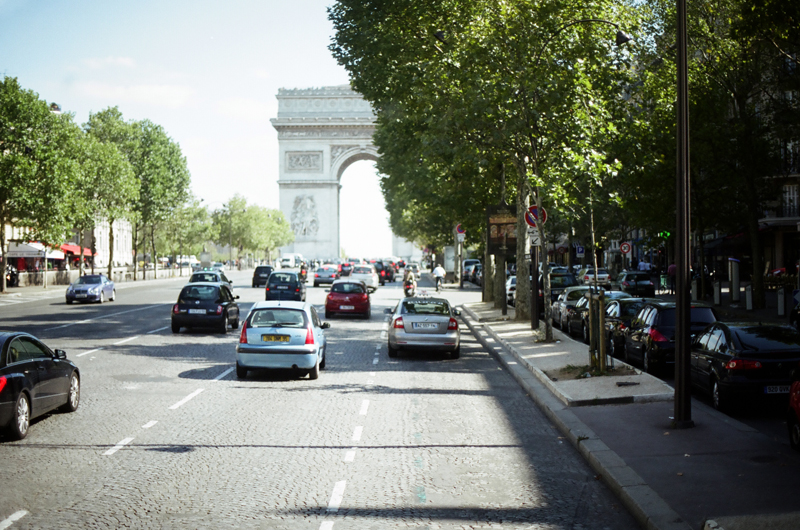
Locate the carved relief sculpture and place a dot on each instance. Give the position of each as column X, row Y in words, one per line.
column 337, row 150
column 304, row 216
column 308, row 161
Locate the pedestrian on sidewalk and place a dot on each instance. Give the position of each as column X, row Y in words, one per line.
column 671, row 275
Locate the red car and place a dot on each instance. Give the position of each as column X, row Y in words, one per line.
column 793, row 416
column 349, row 297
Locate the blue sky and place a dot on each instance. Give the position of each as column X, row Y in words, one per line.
column 208, row 72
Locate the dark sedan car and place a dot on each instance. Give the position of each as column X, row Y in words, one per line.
column 578, row 318
column 635, row 283
column 91, row 288
column 650, row 340
column 261, row 274
column 283, row 285
column 743, row 362
column 210, row 276
column 326, row 274
column 205, row 305
column 33, row 381
column 558, row 282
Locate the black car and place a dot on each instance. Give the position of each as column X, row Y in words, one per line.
column 635, row 283
column 558, row 282
column 261, row 274
column 650, row 340
column 284, row 285
column 347, row 268
column 390, row 271
column 33, row 381
column 578, row 318
column 380, row 268
column 619, row 314
column 205, row 305
column 212, row 276
column 745, row 362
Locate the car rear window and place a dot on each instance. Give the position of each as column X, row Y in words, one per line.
column 259, row 270
column 425, row 307
column 281, row 277
column 637, row 276
column 204, row 277
column 562, row 281
column 199, row 292
column 575, row 295
column 362, row 270
column 768, row 338
column 699, row 315
column 630, row 310
column 278, row 317
column 356, row 288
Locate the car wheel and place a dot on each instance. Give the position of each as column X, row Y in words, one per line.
column 368, row 314
column 316, row 284
column 113, row 295
column 718, row 398
column 223, row 325
column 254, row 285
column 392, row 351
column 328, row 315
column 794, row 431
column 456, row 354
column 322, row 363
column 74, row 395
column 241, row 371
column 585, row 332
column 235, row 324
column 69, row 301
column 175, row 328
column 314, row 372
column 22, row 417
column 102, row 297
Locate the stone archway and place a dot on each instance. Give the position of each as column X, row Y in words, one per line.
column 321, row 131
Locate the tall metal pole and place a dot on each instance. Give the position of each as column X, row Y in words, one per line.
column 534, row 268
column 683, row 403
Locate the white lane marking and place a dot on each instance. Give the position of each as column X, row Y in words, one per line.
column 338, row 353
column 377, row 353
column 125, row 340
column 375, row 360
column 14, row 517
column 149, row 424
column 385, row 326
column 357, row 433
column 350, row 456
column 370, row 382
column 364, row 407
column 117, row 447
column 337, row 496
column 384, row 335
column 105, row 316
column 187, row 398
column 377, row 346
column 327, row 525
column 88, row 352
column 372, row 374
column 157, row 330
column 223, row 374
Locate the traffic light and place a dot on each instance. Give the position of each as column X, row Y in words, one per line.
column 664, row 235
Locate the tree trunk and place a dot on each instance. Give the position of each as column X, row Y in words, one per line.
column 488, row 277
column 524, row 267
column 4, row 259
column 81, row 240
column 135, row 249
column 153, row 244
column 110, row 248
column 500, row 282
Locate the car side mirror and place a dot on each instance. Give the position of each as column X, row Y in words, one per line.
column 327, row 290
column 388, row 310
column 236, row 297
column 457, row 312
column 326, row 325
column 60, row 354
column 371, row 290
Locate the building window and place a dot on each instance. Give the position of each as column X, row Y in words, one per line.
column 789, row 203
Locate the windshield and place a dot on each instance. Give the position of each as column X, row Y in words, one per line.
column 562, row 281
column 767, row 338
column 204, row 277
column 278, row 318
column 630, row 310
column 425, row 307
column 362, row 270
column 281, row 277
column 347, row 288
column 700, row 315
column 207, row 293
column 575, row 295
column 89, row 280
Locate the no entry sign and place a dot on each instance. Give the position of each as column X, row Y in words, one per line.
column 625, row 247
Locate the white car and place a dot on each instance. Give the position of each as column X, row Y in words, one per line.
column 511, row 288
column 367, row 274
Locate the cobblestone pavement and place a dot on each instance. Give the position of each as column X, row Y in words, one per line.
column 167, row 437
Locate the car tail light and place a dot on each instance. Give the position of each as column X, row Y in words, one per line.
column 649, row 283
column 297, row 290
column 453, row 324
column 657, row 336
column 586, row 277
column 3, row 381
column 742, row 364
column 316, row 275
column 176, row 309
column 398, row 323
column 243, row 334
column 310, row 336
column 626, row 284
column 267, row 287
column 365, row 296
column 623, row 327
column 219, row 309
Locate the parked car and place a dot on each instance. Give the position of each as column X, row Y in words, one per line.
column 745, row 362
column 91, row 288
column 205, row 305
column 650, row 339
column 424, row 323
column 349, row 297
column 635, row 283
column 34, row 380
column 261, row 275
column 282, row 335
column 587, row 277
column 558, row 282
column 326, row 274
column 285, row 285
column 578, row 317
column 477, row 277
column 511, row 289
column 468, row 271
column 793, row 415
column 212, row 276
column 367, row 274
column 619, row 314
column 565, row 303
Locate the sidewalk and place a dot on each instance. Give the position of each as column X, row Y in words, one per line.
column 721, row 474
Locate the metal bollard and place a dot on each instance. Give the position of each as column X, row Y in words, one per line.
column 748, row 295
column 717, row 293
column 694, row 290
column 781, row 302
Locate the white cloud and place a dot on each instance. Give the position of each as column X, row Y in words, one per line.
column 171, row 96
column 96, row 63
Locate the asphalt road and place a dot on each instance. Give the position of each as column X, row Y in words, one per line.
column 167, row 437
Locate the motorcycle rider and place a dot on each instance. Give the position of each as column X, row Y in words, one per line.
column 409, row 282
column 438, row 274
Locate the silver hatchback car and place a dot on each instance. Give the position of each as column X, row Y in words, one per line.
column 424, row 323
column 279, row 334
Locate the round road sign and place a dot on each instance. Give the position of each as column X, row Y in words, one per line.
column 625, row 247
column 460, row 229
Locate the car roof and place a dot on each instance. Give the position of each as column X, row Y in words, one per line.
column 218, row 284
column 348, row 280
column 286, row 304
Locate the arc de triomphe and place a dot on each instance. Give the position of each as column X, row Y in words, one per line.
column 321, row 131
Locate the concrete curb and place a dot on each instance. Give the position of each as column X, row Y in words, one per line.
column 646, row 506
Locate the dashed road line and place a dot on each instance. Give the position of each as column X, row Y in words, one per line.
column 157, row 330
column 104, row 316
column 327, row 525
column 357, row 433
column 223, row 374
column 16, row 516
column 149, row 424
column 88, row 352
column 364, row 407
column 123, row 341
column 117, row 447
column 186, row 399
column 351, row 455
column 337, row 496
column 375, row 360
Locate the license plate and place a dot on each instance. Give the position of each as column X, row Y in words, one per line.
column 347, row 307
column 274, row 338
column 424, row 325
column 776, row 389
column 282, row 287
column 263, row 275
column 80, row 296
column 197, row 311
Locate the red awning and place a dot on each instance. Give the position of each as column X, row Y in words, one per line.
column 75, row 249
